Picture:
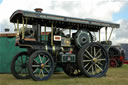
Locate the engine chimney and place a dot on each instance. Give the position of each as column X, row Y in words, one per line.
column 38, row 10
column 6, row 29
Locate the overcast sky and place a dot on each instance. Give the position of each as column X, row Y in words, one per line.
column 108, row 10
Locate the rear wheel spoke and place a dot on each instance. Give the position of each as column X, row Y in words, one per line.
column 86, row 65
column 98, row 52
column 100, row 63
column 93, row 70
column 87, row 60
column 89, row 54
column 89, row 68
column 99, row 55
column 99, row 67
column 101, row 59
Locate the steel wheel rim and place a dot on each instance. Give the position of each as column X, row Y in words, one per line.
column 94, row 60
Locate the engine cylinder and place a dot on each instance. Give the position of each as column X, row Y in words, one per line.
column 82, row 37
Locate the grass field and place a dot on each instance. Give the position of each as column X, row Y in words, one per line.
column 115, row 76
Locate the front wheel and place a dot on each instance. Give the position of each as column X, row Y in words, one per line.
column 93, row 60
column 41, row 65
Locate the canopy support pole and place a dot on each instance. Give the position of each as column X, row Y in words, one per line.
column 70, row 32
column 45, row 32
column 17, row 28
column 106, row 33
column 95, row 35
column 52, row 34
column 110, row 34
column 26, row 22
column 99, row 35
column 23, row 28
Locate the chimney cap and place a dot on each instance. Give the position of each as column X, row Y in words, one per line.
column 38, row 10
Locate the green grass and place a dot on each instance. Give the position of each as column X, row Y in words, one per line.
column 115, row 76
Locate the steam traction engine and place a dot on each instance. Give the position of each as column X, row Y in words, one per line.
column 117, row 55
column 70, row 45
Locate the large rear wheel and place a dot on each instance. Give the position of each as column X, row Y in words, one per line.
column 93, row 60
column 41, row 65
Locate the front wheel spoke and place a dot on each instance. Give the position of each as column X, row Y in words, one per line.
column 42, row 72
column 87, row 60
column 35, row 70
column 46, row 61
column 43, row 58
column 35, row 61
column 46, row 70
column 40, row 59
column 99, row 67
column 47, row 66
column 89, row 54
column 35, row 65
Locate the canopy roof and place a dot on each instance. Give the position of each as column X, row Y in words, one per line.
column 60, row 21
